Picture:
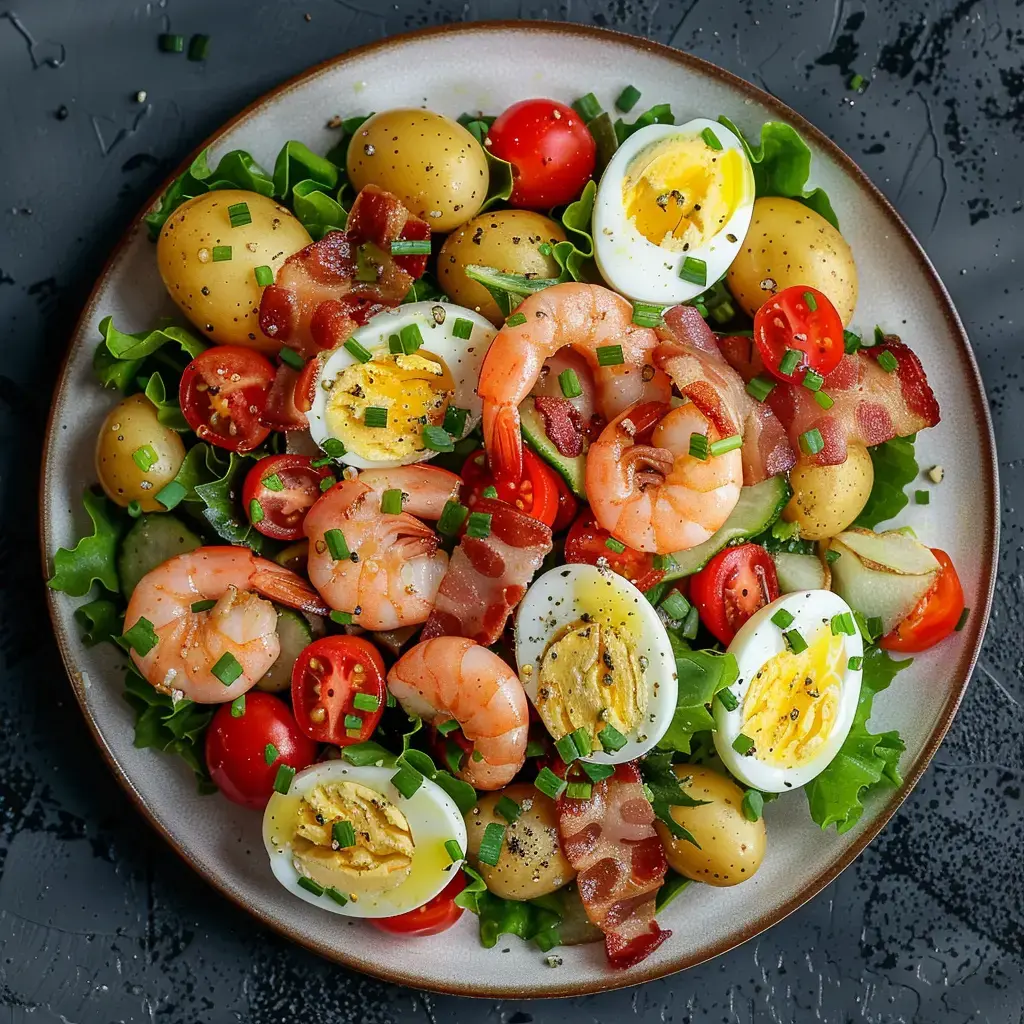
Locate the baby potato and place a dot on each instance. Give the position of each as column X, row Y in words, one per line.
column 507, row 240
column 132, row 437
column 788, row 244
column 731, row 847
column 221, row 296
column 429, row 161
column 531, row 863
column 827, row 499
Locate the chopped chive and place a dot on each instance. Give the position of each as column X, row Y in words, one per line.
column 454, row 850
column 310, row 885
column 344, row 834
column 813, row 380
column 227, row 669
column 390, row 700
column 491, row 844
column 342, row 618
column 239, row 215
column 615, row 545
column 566, row 748
column 854, row 663
column 333, row 447
column 203, row 606
column 410, row 247
column 699, row 446
column 283, row 778
column 962, row 621
column 411, row 338
column 238, row 706
column 570, row 383
column 391, row 501
column 811, row 441
column 710, row 139
column 790, row 361
column 327, row 482
column 407, row 780
column 255, row 512
column 797, row 644
column 753, row 805
column 743, row 744
column 365, row 701
column 922, row 497
column 544, row 248
column 145, row 457
column 516, row 320
column 375, row 416
column 395, row 345
column 270, row 754
column 579, row 791
column 171, row 495
column 291, row 358
column 141, row 638
column 887, row 361
column 675, row 606
column 171, row 43
column 337, row 545
column 647, row 314
column 875, row 625
column 783, row 619
column 357, row 351
column 694, row 270
column 264, row 276
column 831, row 556
column 610, row 355
column 437, row 439
column 273, row 482
column 824, row 400
column 810, row 301
column 490, row 492
column 454, row 423
column 857, row 83
column 479, row 525
column 587, row 107
column 134, row 509
column 221, row 253
column 453, row 515
column 611, row 739
column 691, row 625
column 198, row 48
column 339, row 897
column 628, row 98
column 462, row 329
column 843, row 624
column 728, row 699
column 549, row 783
column 597, row 772
column 581, row 741
column 879, row 335
column 447, row 726
column 725, row 445
column 508, row 809
column 760, row 388
column 536, row 749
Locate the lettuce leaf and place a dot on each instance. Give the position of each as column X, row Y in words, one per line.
column 665, row 792
column 660, row 113
column 895, row 468
column 168, row 411
column 865, row 760
column 533, row 920
column 673, row 885
column 120, row 357
column 317, row 210
column 222, row 502
column 101, row 621
column 93, row 558
column 295, row 163
column 782, row 164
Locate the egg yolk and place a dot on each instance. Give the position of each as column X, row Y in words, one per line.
column 792, row 702
column 383, row 850
column 415, row 390
column 680, row 193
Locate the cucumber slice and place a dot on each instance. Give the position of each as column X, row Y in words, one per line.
column 573, row 469
column 150, row 542
column 759, row 506
column 800, row 572
column 295, row 635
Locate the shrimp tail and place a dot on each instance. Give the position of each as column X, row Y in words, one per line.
column 286, row 587
column 504, row 443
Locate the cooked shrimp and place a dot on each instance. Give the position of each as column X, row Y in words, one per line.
column 191, row 640
column 586, row 317
column 391, row 576
column 657, row 497
column 453, row 678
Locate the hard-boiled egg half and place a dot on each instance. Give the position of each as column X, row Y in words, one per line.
column 594, row 656
column 672, row 210
column 799, row 661
column 344, row 839
column 408, row 369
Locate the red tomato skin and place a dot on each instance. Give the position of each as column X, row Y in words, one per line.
column 568, row 506
column 786, row 321
column 436, row 915
column 934, row 617
column 711, row 588
column 585, row 544
column 338, row 655
column 236, row 748
column 536, row 494
column 551, row 151
column 302, row 488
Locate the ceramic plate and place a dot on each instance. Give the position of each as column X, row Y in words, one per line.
column 487, row 67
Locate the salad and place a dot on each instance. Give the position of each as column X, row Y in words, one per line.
column 500, row 520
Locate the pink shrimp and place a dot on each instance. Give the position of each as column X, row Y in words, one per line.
column 587, row 318
column 658, row 497
column 391, row 576
column 449, row 678
column 239, row 631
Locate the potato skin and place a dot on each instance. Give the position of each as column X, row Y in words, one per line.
column 790, row 244
column 222, row 299
column 507, row 240
column 131, row 424
column 732, row 847
column 429, row 161
column 531, row 863
column 827, row 499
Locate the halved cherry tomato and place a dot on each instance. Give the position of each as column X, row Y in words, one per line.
column 326, row 677
column 436, row 915
column 536, row 494
column 802, row 319
column 934, row 617
column 587, row 542
column 278, row 493
column 222, row 394
column 732, row 586
column 551, row 151
column 568, row 506
column 244, row 754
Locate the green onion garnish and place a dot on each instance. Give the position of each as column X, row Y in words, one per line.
column 170, row 43
column 141, row 638
column 587, row 107
column 743, row 744
column 264, row 276
column 610, row 355
column 145, row 457
column 171, row 494
column 783, row 619
column 579, row 790
column 647, row 314
column 566, row 748
column 597, row 772
column 283, row 778
column 854, row 663
column 202, row 606
column 570, row 383
column 753, row 805
column 615, row 545
column 447, row 726
column 239, row 215
column 454, row 850
column 310, row 885
column 535, row 749
column 198, row 48
column 437, row 439
column 887, row 361
column 411, row 338
column 491, row 844
column 725, row 444
column 665, row 562
column 255, row 512
column 857, row 83
column 922, row 497
column 611, row 739
column 391, row 501
column 490, row 492
column 410, row 247
column 879, row 335
column 628, row 98
column 455, row 421
column 273, row 482
column 479, row 525
column 390, row 700
column 824, row 400
column 407, row 780
column 327, row 482
column 851, row 342
column 339, row 897
column 134, row 509
column 962, row 621
column 270, row 753
column 728, row 699
column 790, row 361
column 357, row 351
column 549, row 783
column 342, row 618
column 581, row 740
column 811, row 441
column 760, row 388
column 365, row 702
column 690, row 626
column 291, row 358
column 810, row 301
column 344, row 834
column 699, row 446
column 395, row 345
column 221, row 253
column 797, row 644
column 675, row 606
column 843, row 624
column 544, row 248
column 462, row 329
column 710, row 139
column 453, row 515
column 337, row 545
column 508, row 809
column 227, row 669
column 238, row 706
column 813, row 380
column 831, row 556
column 694, row 270
column 516, row 320
column 375, row 416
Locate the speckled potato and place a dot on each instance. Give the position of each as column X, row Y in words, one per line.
column 531, row 863
column 827, row 499
column 221, row 297
column 507, row 240
column 429, row 161
column 131, row 425
column 731, row 847
column 789, row 244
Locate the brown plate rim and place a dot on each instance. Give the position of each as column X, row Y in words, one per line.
column 976, row 623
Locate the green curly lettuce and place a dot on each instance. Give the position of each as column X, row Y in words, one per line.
column 673, row 885
column 101, row 621
column 120, row 357
column 895, row 467
column 94, row 558
column 665, row 792
column 168, row 411
column 660, row 113
column 532, row 920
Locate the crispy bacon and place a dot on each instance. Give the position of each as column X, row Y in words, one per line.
column 316, row 302
column 871, row 405
column 692, row 359
column 611, row 842
column 562, row 423
column 487, row 577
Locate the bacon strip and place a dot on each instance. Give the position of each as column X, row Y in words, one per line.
column 690, row 356
column 562, row 423
column 871, row 405
column 487, row 577
column 316, row 302
column 611, row 842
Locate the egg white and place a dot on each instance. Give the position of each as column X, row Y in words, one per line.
column 561, row 597
column 635, row 266
column 760, row 639
column 433, row 819
column 462, row 357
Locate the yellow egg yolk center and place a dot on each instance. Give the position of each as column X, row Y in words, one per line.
column 680, row 192
column 792, row 703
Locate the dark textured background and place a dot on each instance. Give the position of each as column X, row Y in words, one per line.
column 99, row 920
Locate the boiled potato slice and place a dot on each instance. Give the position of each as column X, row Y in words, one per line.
column 221, row 295
column 827, row 499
